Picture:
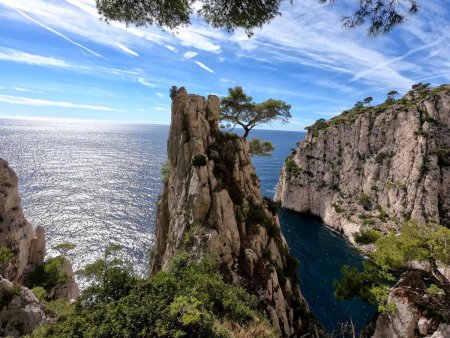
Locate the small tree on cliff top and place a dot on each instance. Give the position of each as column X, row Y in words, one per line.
column 238, row 109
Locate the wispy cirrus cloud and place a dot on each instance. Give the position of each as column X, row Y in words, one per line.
column 26, row 16
column 50, row 103
column 190, row 55
column 20, row 89
column 126, row 49
column 145, row 83
column 205, row 67
column 12, row 55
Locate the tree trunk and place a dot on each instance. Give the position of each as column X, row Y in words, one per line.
column 246, row 133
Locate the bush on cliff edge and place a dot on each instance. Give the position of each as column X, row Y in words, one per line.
column 188, row 300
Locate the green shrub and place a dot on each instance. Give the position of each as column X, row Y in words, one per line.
column 368, row 221
column 422, row 132
column 429, row 119
column 291, row 167
column 165, row 172
column 441, row 151
column 395, row 185
column 190, row 299
column 443, row 156
column 338, row 208
column 368, row 236
column 48, row 275
column 424, row 168
column 7, row 295
column 381, row 156
column 383, row 215
column 435, row 290
column 364, row 201
column 5, row 257
column 199, row 160
column 392, row 253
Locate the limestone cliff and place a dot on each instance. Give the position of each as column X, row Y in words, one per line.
column 418, row 312
column 20, row 310
column 27, row 246
column 212, row 205
column 375, row 166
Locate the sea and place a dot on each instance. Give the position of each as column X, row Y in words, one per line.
column 97, row 183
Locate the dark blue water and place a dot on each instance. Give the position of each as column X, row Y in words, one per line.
column 97, row 183
column 320, row 250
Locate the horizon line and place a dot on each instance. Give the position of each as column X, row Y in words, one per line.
column 39, row 118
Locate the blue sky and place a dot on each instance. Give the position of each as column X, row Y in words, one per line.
column 58, row 60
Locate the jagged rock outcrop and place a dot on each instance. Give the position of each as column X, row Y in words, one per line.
column 70, row 290
column 20, row 310
column 375, row 166
column 27, row 246
column 418, row 313
column 212, row 205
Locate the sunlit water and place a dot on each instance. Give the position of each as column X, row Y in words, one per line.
column 91, row 184
column 94, row 184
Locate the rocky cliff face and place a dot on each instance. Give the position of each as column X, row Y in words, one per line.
column 20, row 310
column 375, row 166
column 418, row 313
column 27, row 246
column 212, row 205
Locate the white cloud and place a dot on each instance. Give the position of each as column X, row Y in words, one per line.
column 69, row 18
column 12, row 55
column 48, row 103
column 387, row 63
column 190, row 55
column 20, row 89
column 161, row 95
column 171, row 48
column 126, row 49
column 310, row 34
column 145, row 83
column 191, row 38
column 57, row 33
column 202, row 65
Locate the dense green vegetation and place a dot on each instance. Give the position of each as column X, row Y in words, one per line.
column 48, row 275
column 368, row 236
column 420, row 91
column 428, row 243
column 291, row 167
column 190, row 299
